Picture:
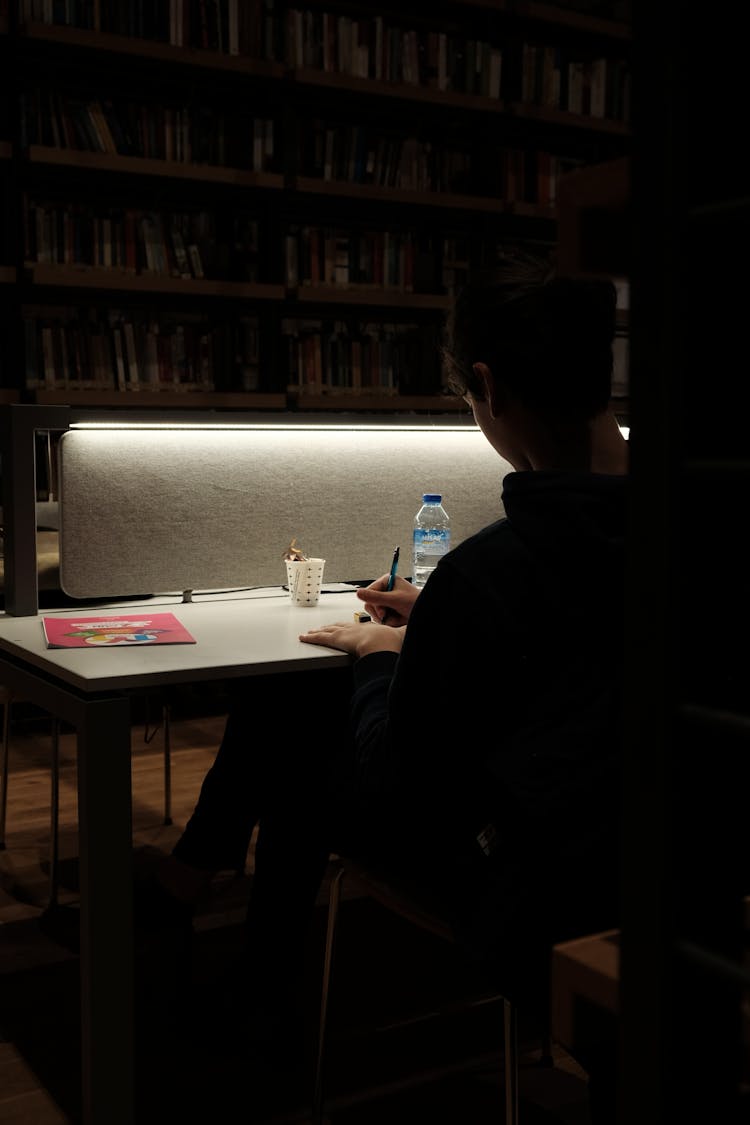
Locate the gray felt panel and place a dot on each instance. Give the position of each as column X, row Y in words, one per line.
column 150, row 511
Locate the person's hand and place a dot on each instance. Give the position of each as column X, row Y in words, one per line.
column 394, row 605
column 358, row 639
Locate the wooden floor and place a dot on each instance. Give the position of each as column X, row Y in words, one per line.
column 412, row 1074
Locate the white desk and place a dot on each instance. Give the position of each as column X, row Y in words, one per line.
column 237, row 635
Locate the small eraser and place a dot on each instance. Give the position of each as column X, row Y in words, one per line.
column 360, row 615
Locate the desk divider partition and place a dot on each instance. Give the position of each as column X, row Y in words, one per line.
column 178, row 502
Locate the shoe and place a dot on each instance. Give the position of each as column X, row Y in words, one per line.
column 156, row 913
column 155, row 910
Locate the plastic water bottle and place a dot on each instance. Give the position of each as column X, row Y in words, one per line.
column 432, row 537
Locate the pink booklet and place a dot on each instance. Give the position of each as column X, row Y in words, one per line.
column 113, row 631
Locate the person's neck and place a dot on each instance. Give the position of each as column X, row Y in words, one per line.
column 556, row 447
column 596, row 447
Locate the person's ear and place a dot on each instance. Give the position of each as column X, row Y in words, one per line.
column 491, row 393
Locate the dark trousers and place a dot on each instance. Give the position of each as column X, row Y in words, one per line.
column 272, row 768
column 286, row 764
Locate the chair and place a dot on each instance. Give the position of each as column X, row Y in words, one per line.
column 404, row 902
column 166, row 727
column 7, row 699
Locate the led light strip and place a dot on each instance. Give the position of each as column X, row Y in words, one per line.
column 331, row 426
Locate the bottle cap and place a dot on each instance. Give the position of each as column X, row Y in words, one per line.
column 431, row 498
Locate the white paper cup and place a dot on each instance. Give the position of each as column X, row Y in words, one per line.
column 305, row 579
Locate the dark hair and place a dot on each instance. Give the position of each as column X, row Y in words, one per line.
column 547, row 338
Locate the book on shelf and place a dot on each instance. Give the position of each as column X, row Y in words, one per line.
column 115, row 630
column 101, row 127
column 151, row 356
column 194, row 256
column 48, row 358
column 131, row 356
column 180, row 255
column 119, row 358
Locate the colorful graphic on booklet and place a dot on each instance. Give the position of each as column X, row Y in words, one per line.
column 126, row 629
column 119, row 632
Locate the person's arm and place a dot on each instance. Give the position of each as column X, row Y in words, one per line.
column 395, row 748
column 442, row 660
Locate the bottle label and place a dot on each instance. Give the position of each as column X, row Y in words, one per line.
column 432, row 540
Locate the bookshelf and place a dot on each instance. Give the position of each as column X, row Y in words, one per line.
column 595, row 239
column 276, row 215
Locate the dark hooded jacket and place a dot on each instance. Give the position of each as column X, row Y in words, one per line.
column 497, row 727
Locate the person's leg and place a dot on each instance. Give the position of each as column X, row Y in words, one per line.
column 258, row 1002
column 262, row 998
column 217, row 834
column 257, row 756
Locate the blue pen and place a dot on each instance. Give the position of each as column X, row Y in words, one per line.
column 394, row 568
column 389, row 583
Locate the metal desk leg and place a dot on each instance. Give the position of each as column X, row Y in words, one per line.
column 105, row 849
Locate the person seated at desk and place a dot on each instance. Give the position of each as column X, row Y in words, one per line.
column 473, row 746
